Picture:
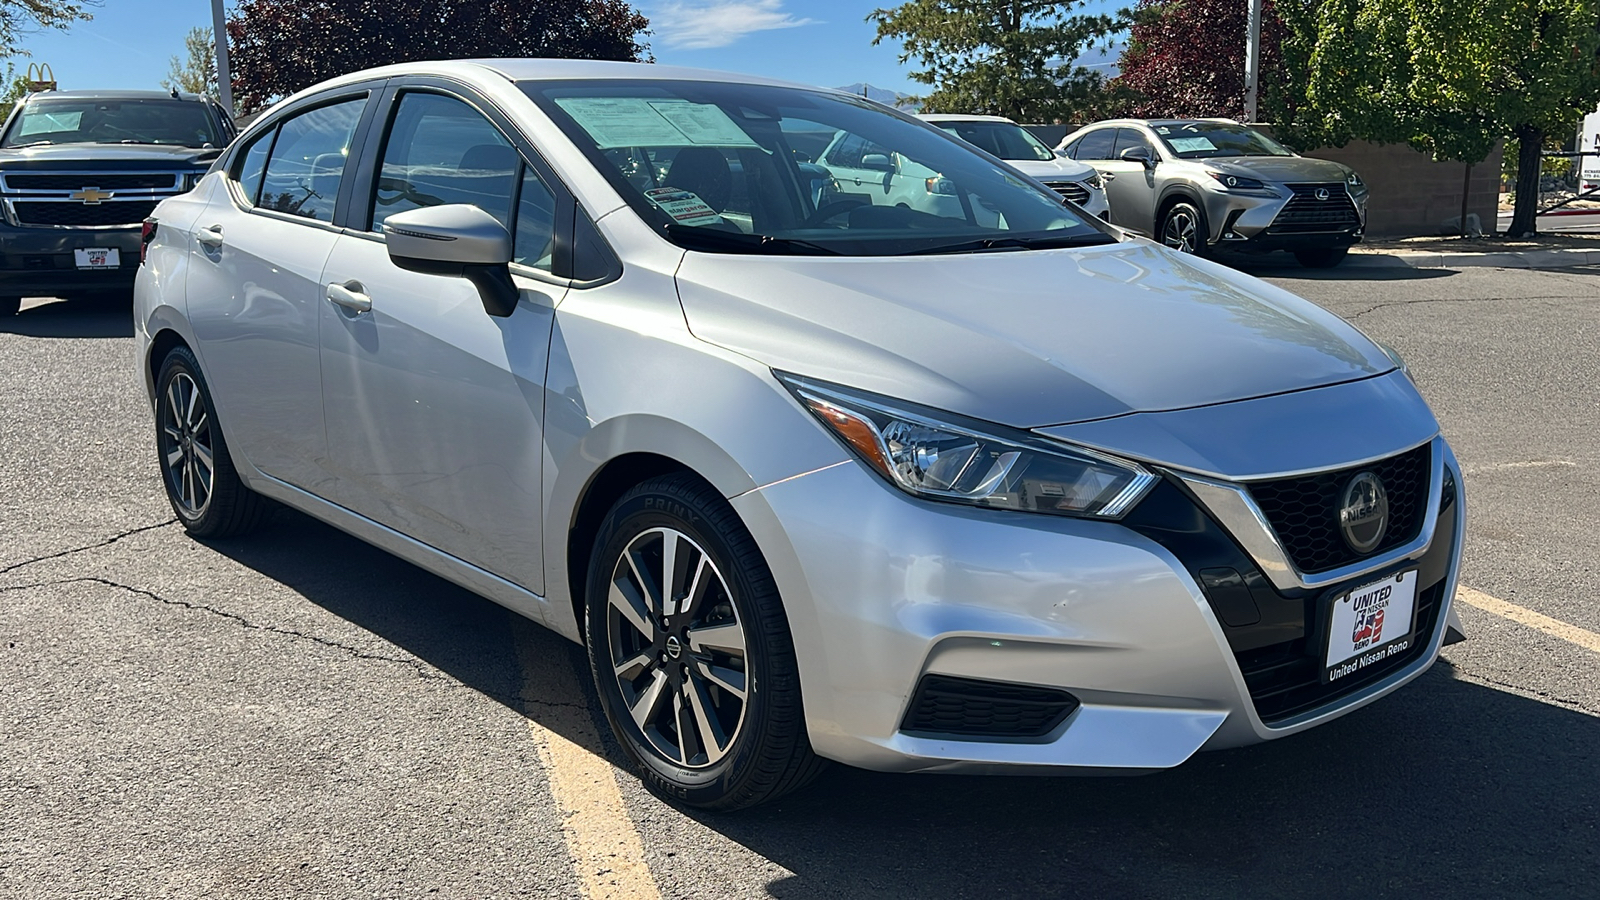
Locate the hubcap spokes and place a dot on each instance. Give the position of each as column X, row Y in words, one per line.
column 1180, row 232
column 677, row 648
column 186, row 448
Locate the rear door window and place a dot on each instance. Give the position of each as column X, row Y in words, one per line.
column 307, row 164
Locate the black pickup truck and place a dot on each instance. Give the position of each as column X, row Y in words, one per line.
column 79, row 173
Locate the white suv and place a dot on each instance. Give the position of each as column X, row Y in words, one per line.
column 999, row 136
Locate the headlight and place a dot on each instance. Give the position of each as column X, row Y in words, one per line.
column 1238, row 182
column 191, row 179
column 1354, row 180
column 940, row 456
column 1094, row 182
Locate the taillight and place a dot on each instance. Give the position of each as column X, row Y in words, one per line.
column 147, row 233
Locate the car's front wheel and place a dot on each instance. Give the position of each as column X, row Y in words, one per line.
column 691, row 650
column 1183, row 228
column 1321, row 257
column 202, row 485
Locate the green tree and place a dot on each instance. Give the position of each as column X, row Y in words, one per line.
column 1010, row 58
column 13, row 85
column 1451, row 77
column 22, row 17
column 198, row 73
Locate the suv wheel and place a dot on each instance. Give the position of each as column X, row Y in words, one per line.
column 202, row 485
column 691, row 652
column 1183, row 228
column 1321, row 257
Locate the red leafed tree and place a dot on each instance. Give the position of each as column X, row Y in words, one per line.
column 1185, row 59
column 281, row 46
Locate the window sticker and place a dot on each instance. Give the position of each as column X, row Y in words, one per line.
column 685, row 207
column 636, row 122
column 1191, row 144
column 702, row 123
column 46, row 122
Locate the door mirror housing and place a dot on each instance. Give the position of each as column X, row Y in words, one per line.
column 879, row 161
column 456, row 239
column 1139, row 155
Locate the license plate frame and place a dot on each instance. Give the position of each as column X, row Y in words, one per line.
column 97, row 258
column 1345, row 649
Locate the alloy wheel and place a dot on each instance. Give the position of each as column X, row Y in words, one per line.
column 187, row 452
column 1181, row 231
column 677, row 648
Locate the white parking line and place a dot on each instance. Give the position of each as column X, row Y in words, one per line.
column 607, row 852
column 1522, row 615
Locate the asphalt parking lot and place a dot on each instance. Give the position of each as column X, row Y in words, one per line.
column 301, row 715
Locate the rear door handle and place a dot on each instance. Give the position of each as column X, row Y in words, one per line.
column 349, row 296
column 210, row 237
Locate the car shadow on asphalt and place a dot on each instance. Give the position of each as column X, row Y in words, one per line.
column 96, row 318
column 1282, row 265
column 1448, row 787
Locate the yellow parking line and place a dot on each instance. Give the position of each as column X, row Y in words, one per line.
column 1554, row 627
column 607, row 852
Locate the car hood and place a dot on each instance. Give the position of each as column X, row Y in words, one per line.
column 1057, row 169
column 1029, row 338
column 1286, row 169
column 101, row 156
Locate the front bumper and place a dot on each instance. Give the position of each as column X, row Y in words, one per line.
column 41, row 262
column 1257, row 222
column 882, row 589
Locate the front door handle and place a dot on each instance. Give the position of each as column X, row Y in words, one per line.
column 1108, row 176
column 210, row 237
column 349, row 296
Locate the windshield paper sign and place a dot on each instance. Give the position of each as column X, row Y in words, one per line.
column 636, row 122
column 685, row 207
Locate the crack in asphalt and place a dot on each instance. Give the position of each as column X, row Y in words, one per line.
column 105, row 543
column 1371, row 309
column 1521, row 689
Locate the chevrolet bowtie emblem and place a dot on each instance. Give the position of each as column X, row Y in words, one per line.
column 91, row 196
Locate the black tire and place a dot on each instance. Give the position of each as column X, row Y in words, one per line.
column 679, row 668
column 225, row 508
column 1321, row 257
column 9, row 306
column 1183, row 219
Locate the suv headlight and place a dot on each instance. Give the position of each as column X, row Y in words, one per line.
column 1355, row 182
column 940, row 456
column 1095, row 182
column 1238, row 182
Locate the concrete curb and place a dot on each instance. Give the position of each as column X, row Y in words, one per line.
column 1519, row 259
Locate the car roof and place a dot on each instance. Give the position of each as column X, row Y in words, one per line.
column 960, row 117
column 109, row 95
column 531, row 69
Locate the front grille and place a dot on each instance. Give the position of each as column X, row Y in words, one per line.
column 1305, row 214
column 964, row 707
column 1071, row 190
column 1305, row 511
column 114, row 212
column 71, row 181
column 1285, row 679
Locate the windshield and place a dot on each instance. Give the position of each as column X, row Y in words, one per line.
column 739, row 168
column 1203, row 140
column 1007, row 140
column 184, row 123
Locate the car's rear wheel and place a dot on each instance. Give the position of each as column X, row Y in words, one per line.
column 202, row 485
column 1183, row 227
column 9, row 306
column 1321, row 257
column 691, row 650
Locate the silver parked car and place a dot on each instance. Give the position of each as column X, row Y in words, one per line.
column 1195, row 184
column 906, row 487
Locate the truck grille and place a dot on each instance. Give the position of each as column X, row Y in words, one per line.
column 1306, row 214
column 1071, row 190
column 115, row 212
column 105, row 181
column 1305, row 511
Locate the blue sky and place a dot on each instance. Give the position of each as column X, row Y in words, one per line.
column 826, row 42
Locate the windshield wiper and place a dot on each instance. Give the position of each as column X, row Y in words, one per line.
column 1017, row 243
column 29, row 144
column 738, row 242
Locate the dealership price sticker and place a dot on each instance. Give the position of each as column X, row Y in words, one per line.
column 685, row 207
column 1370, row 624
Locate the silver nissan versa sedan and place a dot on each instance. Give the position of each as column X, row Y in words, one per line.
column 969, row 484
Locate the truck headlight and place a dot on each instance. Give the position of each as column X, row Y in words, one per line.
column 941, row 456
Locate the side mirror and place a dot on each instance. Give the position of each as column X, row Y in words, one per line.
column 1140, row 155
column 878, row 161
column 456, row 239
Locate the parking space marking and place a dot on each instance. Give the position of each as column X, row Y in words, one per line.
column 1583, row 637
column 607, row 852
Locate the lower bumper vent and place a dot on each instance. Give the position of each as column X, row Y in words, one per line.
column 978, row 710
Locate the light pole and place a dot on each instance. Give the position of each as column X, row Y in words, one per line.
column 219, row 37
column 1252, row 60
